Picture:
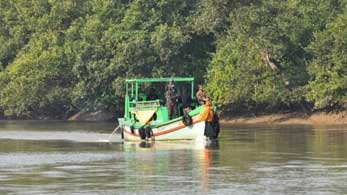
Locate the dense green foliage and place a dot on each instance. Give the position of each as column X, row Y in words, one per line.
column 58, row 57
column 273, row 55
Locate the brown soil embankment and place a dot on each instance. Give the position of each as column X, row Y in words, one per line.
column 319, row 118
column 93, row 116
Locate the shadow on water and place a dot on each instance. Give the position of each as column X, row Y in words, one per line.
column 145, row 144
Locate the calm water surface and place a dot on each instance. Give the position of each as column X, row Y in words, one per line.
column 73, row 158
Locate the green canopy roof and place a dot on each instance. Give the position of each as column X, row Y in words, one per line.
column 154, row 80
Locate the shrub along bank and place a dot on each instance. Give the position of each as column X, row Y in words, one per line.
column 58, row 58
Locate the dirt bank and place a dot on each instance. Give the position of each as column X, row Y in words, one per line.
column 93, row 116
column 319, row 118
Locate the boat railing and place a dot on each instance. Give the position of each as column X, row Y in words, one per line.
column 142, row 105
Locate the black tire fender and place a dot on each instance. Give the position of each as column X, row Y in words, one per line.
column 187, row 120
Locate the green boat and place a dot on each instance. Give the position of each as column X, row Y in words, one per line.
column 146, row 116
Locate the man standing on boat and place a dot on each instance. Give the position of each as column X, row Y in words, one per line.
column 171, row 96
column 200, row 95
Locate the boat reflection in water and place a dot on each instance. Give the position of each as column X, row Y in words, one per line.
column 145, row 144
column 171, row 145
column 171, row 160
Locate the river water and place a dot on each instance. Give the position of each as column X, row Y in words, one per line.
column 74, row 158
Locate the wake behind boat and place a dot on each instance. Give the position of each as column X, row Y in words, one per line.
column 146, row 116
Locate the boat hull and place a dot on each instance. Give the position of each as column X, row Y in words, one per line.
column 172, row 131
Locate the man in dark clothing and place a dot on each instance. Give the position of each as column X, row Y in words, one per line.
column 171, row 96
column 206, row 115
column 200, row 95
column 152, row 95
column 211, row 120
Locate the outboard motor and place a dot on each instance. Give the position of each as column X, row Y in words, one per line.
column 142, row 133
column 149, row 132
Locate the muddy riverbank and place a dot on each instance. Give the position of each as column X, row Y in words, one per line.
column 319, row 118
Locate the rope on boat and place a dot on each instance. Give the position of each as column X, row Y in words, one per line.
column 113, row 132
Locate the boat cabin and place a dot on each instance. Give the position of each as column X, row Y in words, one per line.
column 145, row 100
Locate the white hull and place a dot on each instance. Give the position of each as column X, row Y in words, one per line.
column 173, row 131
